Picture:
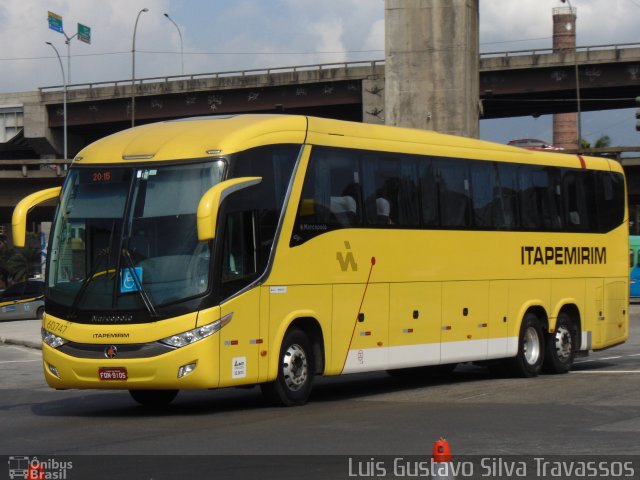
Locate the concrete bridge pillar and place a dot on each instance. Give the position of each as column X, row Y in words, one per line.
column 37, row 132
column 432, row 65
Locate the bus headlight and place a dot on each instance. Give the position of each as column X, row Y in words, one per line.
column 192, row 336
column 51, row 339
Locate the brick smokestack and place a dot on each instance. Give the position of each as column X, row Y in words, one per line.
column 565, row 125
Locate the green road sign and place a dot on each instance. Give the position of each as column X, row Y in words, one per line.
column 84, row 33
column 55, row 22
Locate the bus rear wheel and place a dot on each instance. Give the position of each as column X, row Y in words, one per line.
column 561, row 346
column 295, row 372
column 528, row 362
column 153, row 398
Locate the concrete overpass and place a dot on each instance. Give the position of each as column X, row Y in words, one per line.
column 511, row 84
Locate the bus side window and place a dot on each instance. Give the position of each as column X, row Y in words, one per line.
column 609, row 199
column 539, row 195
column 486, row 212
column 454, row 190
column 506, row 194
column 390, row 189
column 578, row 197
column 428, row 192
column 331, row 194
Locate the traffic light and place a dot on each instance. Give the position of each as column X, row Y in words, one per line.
column 638, row 114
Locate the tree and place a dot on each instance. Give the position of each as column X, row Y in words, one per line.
column 18, row 264
column 5, row 254
column 602, row 142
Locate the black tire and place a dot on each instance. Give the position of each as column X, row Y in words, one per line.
column 561, row 346
column 153, row 398
column 528, row 362
column 296, row 368
column 40, row 313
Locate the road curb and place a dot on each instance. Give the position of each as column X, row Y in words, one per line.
column 22, row 343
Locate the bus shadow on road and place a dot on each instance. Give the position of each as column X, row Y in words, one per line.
column 118, row 404
column 362, row 385
column 587, row 365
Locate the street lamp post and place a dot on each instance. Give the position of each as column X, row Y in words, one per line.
column 577, row 74
column 64, row 101
column 181, row 46
column 133, row 69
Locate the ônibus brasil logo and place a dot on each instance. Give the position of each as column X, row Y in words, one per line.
column 30, row 468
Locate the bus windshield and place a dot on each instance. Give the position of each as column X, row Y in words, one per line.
column 125, row 238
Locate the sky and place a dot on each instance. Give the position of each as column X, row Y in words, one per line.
column 225, row 35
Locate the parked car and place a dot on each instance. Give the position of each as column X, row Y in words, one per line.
column 533, row 144
column 24, row 300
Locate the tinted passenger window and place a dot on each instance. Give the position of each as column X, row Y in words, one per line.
column 610, row 194
column 539, row 198
column 578, row 197
column 34, row 288
column 507, row 195
column 487, row 210
column 429, row 193
column 331, row 194
column 16, row 290
column 453, row 189
column 390, row 190
column 358, row 188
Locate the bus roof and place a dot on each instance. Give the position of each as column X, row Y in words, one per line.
column 203, row 137
column 194, row 138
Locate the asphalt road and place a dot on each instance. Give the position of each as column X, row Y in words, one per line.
column 595, row 409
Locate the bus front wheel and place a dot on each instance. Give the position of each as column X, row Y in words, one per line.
column 295, row 372
column 561, row 346
column 528, row 361
column 153, row 398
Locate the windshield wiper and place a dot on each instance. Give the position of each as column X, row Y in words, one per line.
column 87, row 280
column 140, row 289
column 102, row 254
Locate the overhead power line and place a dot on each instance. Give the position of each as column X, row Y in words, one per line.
column 161, row 52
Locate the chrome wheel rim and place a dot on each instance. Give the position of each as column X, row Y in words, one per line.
column 531, row 346
column 295, row 367
column 564, row 343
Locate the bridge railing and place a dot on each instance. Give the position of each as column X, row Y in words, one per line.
column 311, row 67
column 33, row 168
column 231, row 73
column 545, row 51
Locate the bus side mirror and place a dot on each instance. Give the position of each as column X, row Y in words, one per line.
column 19, row 218
column 211, row 200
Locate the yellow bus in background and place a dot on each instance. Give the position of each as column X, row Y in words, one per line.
column 269, row 249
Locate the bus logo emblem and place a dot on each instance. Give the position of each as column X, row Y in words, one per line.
column 111, row 351
column 347, row 261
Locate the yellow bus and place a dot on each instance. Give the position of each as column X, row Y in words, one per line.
column 269, row 249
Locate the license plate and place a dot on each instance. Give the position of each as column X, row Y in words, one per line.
column 112, row 373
